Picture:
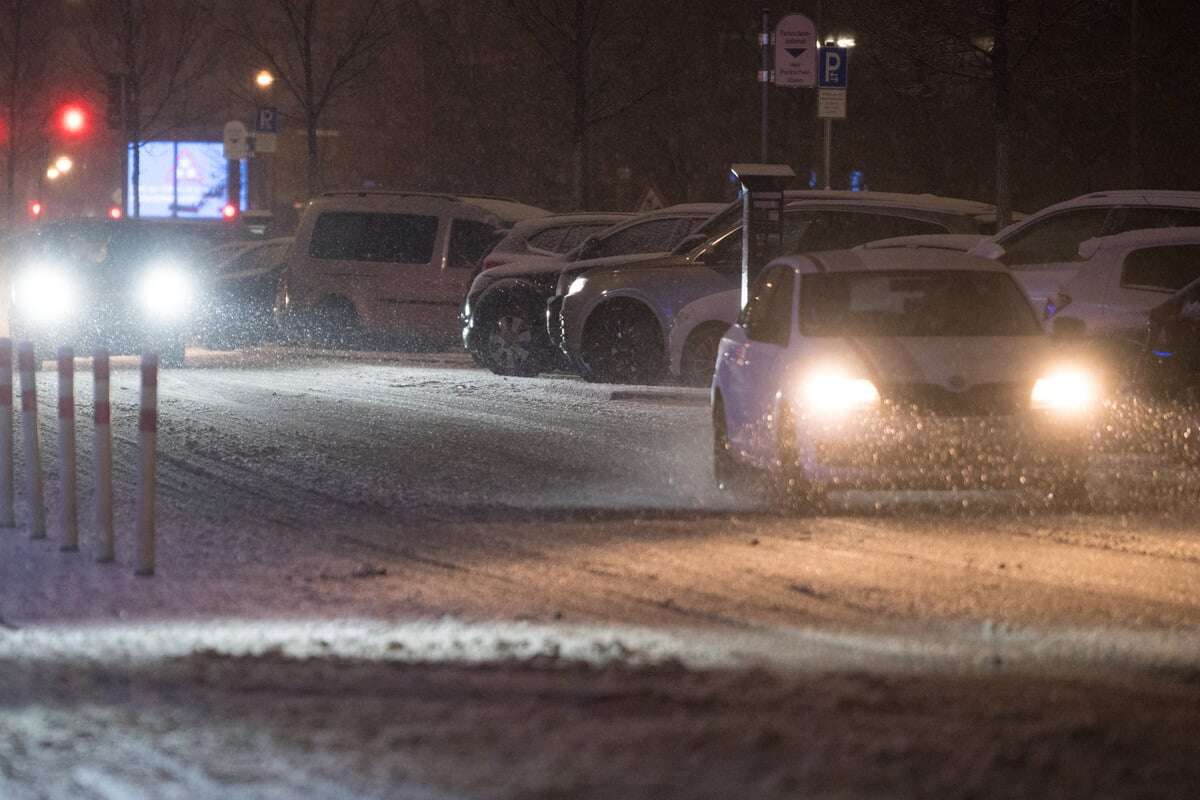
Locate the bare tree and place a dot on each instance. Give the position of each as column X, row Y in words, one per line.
column 25, row 57
column 318, row 50
column 160, row 53
column 598, row 52
column 1006, row 45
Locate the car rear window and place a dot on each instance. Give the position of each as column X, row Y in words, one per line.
column 914, row 303
column 1161, row 269
column 357, row 236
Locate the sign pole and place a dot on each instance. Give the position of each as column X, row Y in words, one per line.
column 828, row 151
column 764, row 78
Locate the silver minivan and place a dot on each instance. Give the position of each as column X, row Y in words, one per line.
column 393, row 264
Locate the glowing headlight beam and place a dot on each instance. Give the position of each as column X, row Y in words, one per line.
column 44, row 294
column 1069, row 391
column 835, row 394
column 165, row 290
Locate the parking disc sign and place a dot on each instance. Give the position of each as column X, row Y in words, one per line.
column 796, row 52
column 833, row 72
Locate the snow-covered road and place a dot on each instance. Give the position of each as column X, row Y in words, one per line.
column 374, row 512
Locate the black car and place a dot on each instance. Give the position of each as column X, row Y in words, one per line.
column 128, row 285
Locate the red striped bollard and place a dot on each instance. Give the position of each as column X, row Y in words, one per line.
column 66, row 448
column 7, row 516
column 147, row 437
column 102, row 452
column 33, row 451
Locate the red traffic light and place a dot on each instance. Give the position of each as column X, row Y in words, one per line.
column 72, row 119
column 115, row 212
column 229, row 212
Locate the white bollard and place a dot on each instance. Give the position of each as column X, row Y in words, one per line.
column 33, row 452
column 147, row 436
column 102, row 416
column 7, row 516
column 66, row 448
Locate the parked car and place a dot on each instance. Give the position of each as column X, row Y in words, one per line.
column 244, row 282
column 1043, row 249
column 393, row 264
column 953, row 242
column 128, row 285
column 1119, row 281
column 504, row 314
column 897, row 368
column 551, row 236
column 640, row 322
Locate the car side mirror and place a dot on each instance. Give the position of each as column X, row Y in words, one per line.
column 1068, row 327
column 589, row 248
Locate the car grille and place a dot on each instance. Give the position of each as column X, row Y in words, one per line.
column 981, row 400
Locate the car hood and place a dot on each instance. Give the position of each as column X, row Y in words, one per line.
column 953, row 363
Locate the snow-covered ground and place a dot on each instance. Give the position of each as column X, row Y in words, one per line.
column 404, row 577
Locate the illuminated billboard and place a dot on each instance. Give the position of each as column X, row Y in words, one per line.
column 182, row 180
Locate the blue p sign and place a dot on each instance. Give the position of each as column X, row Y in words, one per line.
column 832, row 72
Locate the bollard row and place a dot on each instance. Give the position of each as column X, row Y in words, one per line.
column 102, row 450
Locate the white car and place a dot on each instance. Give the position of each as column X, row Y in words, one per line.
column 1042, row 250
column 1123, row 278
column 898, row 368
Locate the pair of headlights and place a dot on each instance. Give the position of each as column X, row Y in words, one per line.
column 1068, row 390
column 49, row 294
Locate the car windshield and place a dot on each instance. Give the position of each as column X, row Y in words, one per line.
column 914, row 303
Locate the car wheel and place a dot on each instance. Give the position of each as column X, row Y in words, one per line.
column 512, row 342
column 792, row 490
column 729, row 474
column 699, row 359
column 622, row 344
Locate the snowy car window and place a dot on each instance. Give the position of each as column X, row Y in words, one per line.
column 469, row 242
column 647, row 237
column 576, row 235
column 1162, row 269
column 354, row 236
column 914, row 303
column 1054, row 239
column 836, row 230
column 767, row 316
column 549, row 239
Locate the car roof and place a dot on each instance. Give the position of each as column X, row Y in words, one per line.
column 502, row 208
column 888, row 259
column 1139, row 197
column 957, row 242
column 1142, row 237
column 921, row 202
column 573, row 218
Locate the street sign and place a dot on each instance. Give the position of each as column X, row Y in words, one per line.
column 796, row 52
column 236, row 146
column 264, row 142
column 831, row 104
column 267, row 120
column 833, row 68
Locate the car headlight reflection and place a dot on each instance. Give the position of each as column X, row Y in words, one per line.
column 166, row 291
column 1067, row 391
column 576, row 286
column 44, row 294
column 831, row 393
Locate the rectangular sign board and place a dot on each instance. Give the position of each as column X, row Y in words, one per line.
column 831, row 104
column 796, row 52
column 833, row 73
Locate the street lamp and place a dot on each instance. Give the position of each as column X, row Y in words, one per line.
column 63, row 164
column 53, row 173
column 264, row 79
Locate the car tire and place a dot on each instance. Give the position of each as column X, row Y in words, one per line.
column 512, row 342
column 622, row 343
column 729, row 474
column 791, row 489
column 699, row 357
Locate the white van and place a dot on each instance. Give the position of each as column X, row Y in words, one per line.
column 388, row 263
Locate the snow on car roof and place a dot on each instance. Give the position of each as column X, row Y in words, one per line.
column 1141, row 237
column 931, row 202
column 693, row 208
column 509, row 211
column 1149, row 197
column 958, row 242
column 894, row 258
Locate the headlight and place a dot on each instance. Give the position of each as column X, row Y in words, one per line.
column 44, row 294
column 166, row 290
column 576, row 286
column 1068, row 391
column 831, row 393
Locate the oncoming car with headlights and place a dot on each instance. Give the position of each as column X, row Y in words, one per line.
column 125, row 285
column 907, row 369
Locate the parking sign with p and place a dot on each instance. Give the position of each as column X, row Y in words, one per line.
column 832, row 70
